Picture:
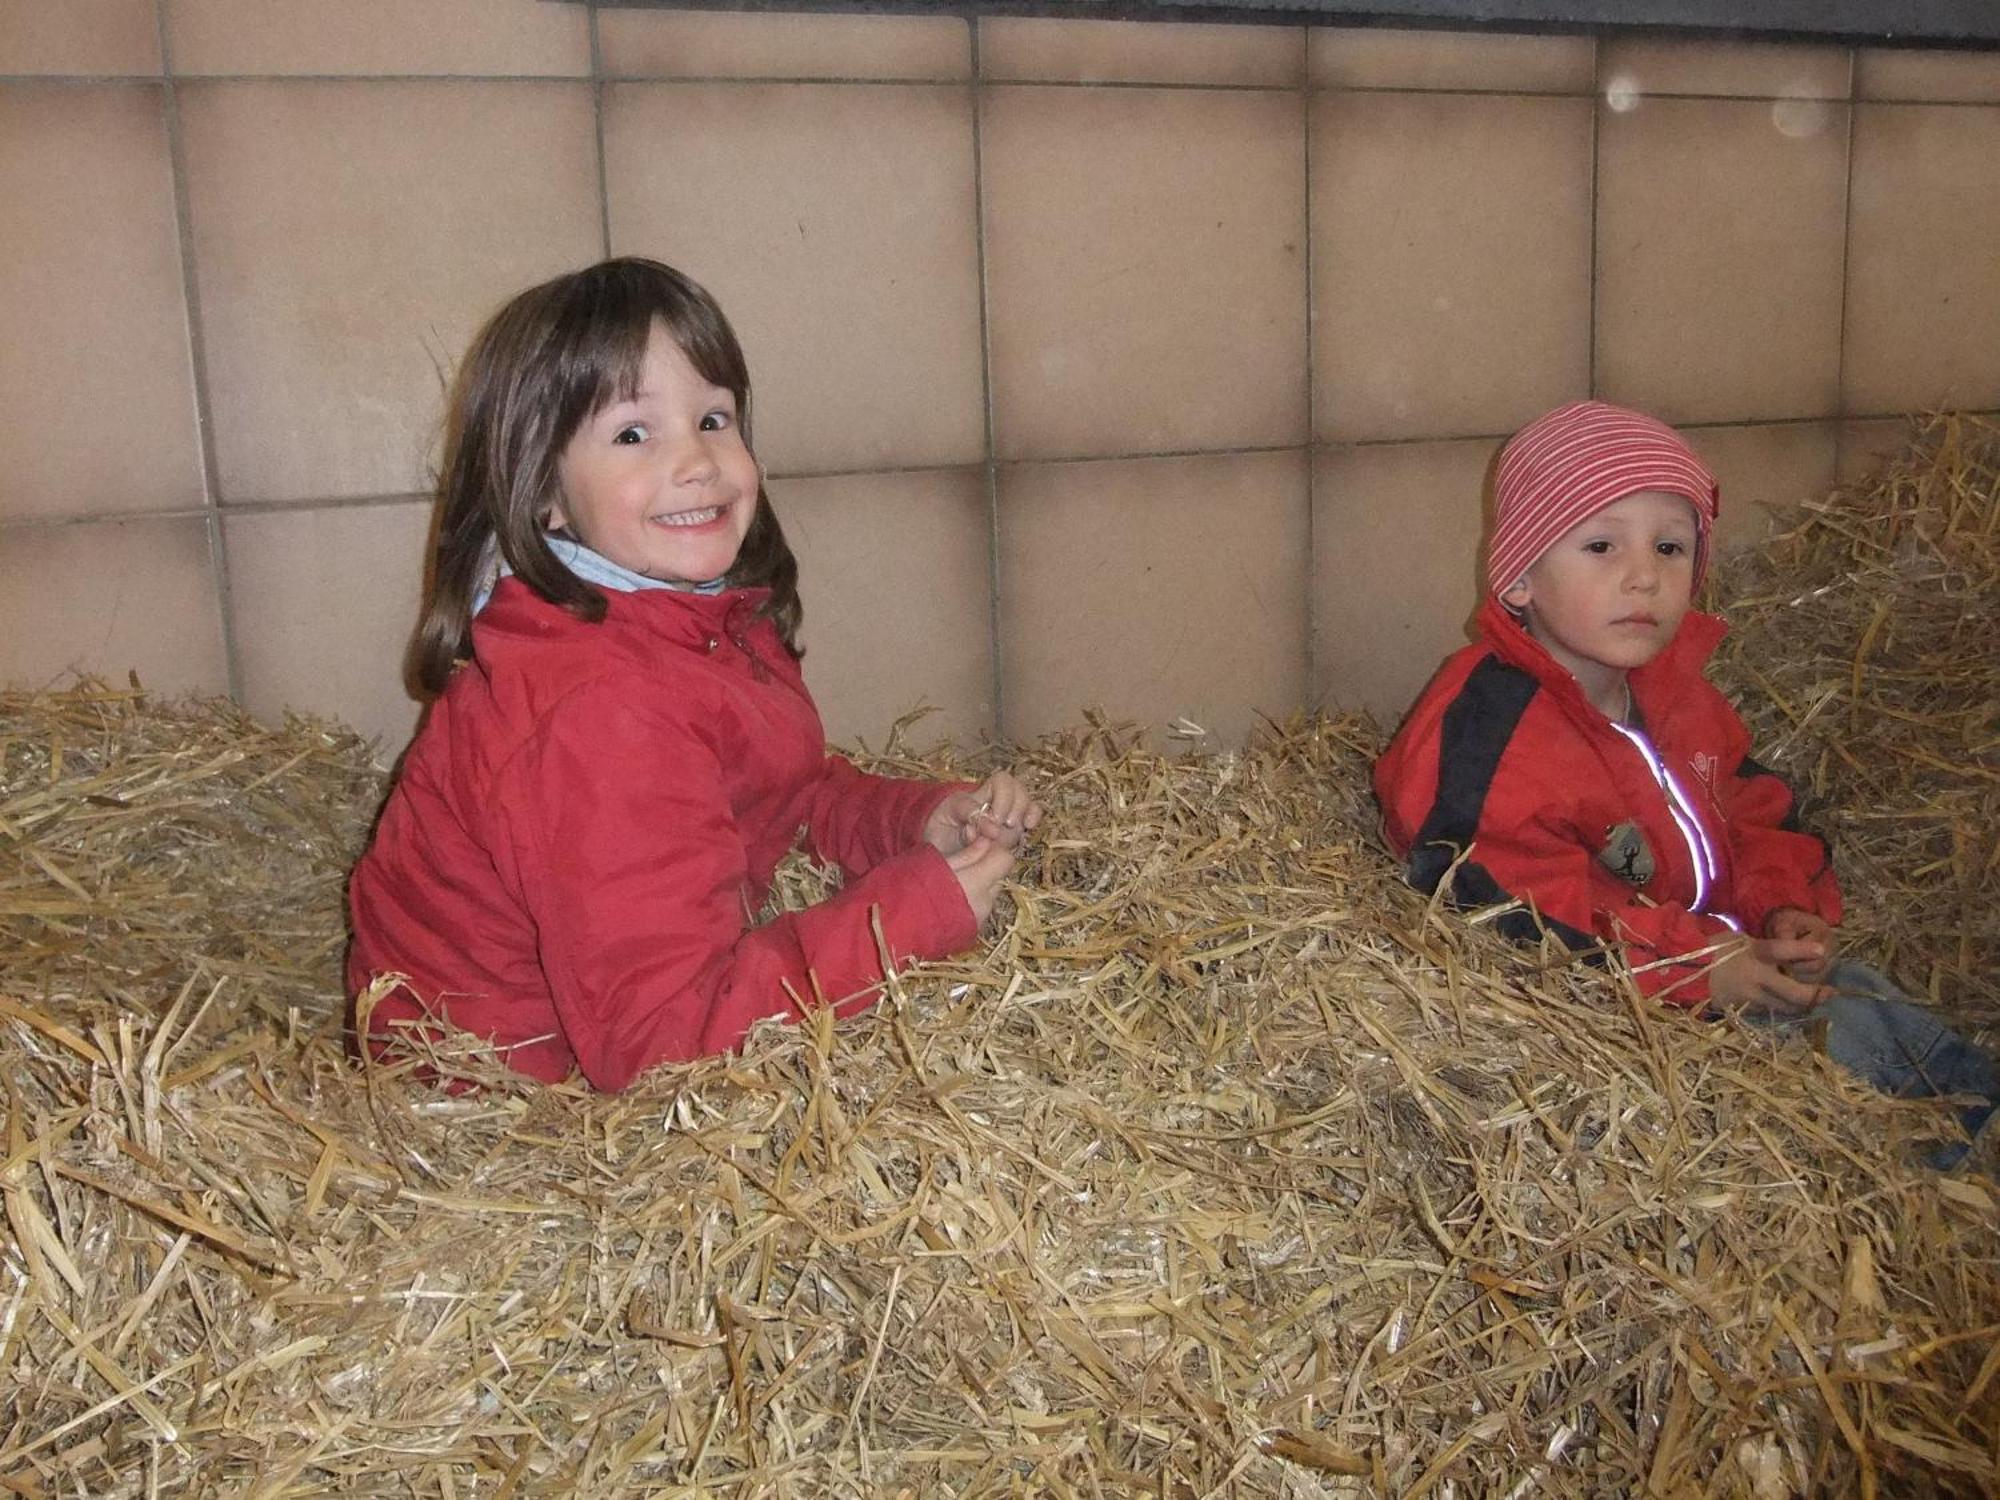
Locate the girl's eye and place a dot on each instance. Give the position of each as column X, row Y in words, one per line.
column 715, row 421
column 1672, row 549
column 1598, row 547
column 631, row 432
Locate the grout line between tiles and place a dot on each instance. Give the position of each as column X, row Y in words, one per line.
column 1193, row 86
column 992, row 466
column 79, row 80
column 233, row 508
column 1311, row 686
column 1846, row 256
column 92, row 78
column 597, row 117
column 1390, row 88
column 1156, row 453
column 1708, row 425
column 759, row 80
column 203, row 512
column 1590, row 310
column 211, row 482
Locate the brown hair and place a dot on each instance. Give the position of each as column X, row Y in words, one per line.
column 542, row 365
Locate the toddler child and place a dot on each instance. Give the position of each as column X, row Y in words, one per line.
column 621, row 747
column 1575, row 759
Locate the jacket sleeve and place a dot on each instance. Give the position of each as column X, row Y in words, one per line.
column 1774, row 862
column 1552, row 870
column 857, row 821
column 630, row 865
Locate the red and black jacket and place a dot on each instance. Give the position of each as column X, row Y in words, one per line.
column 1507, row 781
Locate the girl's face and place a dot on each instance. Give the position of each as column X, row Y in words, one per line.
column 1610, row 592
column 662, row 484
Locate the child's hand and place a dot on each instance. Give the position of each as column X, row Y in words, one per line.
column 1000, row 810
column 1754, row 978
column 980, row 867
column 1793, row 924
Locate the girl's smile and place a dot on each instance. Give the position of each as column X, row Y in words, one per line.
column 661, row 482
column 691, row 517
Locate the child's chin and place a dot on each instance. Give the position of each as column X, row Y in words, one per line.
column 699, row 565
column 1636, row 648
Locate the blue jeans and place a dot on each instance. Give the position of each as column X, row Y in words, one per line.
column 1875, row 1033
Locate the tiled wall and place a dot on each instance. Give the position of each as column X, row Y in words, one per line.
column 1150, row 366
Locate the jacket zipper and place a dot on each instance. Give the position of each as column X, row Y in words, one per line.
column 1701, row 854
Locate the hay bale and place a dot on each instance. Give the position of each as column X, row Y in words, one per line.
column 1867, row 651
column 1231, row 1168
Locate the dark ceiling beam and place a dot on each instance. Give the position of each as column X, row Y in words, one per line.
column 1910, row 23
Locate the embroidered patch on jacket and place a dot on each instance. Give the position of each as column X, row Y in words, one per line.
column 1626, row 855
column 1705, row 768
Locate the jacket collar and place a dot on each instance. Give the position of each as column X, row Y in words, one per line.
column 670, row 614
column 1684, row 657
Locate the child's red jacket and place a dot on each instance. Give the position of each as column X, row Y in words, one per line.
column 582, row 830
column 1503, row 756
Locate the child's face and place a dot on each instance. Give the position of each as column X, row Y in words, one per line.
column 1610, row 592
column 661, row 484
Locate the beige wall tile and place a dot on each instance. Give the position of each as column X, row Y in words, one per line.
column 1066, row 51
column 1630, row 69
column 1866, row 446
column 96, row 385
column 835, row 225
column 378, row 36
column 714, row 44
column 895, row 576
column 349, row 240
column 108, row 598
column 1398, row 566
column 1451, row 262
column 1370, row 58
column 79, row 36
column 323, row 603
column 1719, row 259
column 1943, row 77
column 1923, row 275
column 1146, row 269
column 1762, row 471
column 1154, row 588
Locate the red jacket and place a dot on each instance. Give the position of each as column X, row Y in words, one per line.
column 1504, row 755
column 573, row 852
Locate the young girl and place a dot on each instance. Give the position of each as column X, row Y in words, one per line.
column 622, row 748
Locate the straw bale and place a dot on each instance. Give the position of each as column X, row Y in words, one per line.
column 1868, row 653
column 1232, row 1168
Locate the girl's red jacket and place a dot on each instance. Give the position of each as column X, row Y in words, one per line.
column 1505, row 780
column 582, row 830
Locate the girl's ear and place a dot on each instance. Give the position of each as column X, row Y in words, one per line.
column 554, row 518
column 1517, row 594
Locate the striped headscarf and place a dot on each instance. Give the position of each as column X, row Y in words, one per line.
column 1565, row 467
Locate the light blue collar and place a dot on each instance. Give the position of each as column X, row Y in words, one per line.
column 591, row 567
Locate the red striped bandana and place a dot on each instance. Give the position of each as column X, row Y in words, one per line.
column 1565, row 467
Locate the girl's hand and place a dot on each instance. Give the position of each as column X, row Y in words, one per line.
column 1000, row 810
column 980, row 867
column 1790, row 923
column 1754, row 978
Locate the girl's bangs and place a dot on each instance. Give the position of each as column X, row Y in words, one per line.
column 624, row 321
column 609, row 359
column 597, row 326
